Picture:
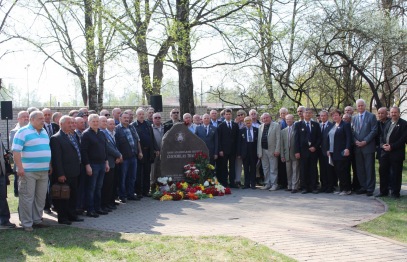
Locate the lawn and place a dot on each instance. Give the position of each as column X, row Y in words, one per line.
column 393, row 223
column 74, row 244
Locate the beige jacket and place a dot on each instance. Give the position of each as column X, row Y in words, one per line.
column 273, row 138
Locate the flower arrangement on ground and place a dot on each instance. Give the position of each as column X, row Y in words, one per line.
column 184, row 190
column 200, row 170
column 199, row 183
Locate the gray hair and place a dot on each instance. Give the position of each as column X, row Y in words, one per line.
column 139, row 110
column 283, row 109
column 34, row 114
column 323, row 112
column 360, row 100
column 32, row 109
column 92, row 116
column 63, row 119
column 20, row 113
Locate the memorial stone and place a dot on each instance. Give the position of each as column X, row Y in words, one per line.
column 178, row 148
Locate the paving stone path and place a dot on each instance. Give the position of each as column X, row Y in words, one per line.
column 305, row 227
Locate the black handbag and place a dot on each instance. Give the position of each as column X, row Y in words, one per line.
column 60, row 191
column 7, row 162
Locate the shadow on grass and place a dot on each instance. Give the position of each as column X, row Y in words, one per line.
column 57, row 243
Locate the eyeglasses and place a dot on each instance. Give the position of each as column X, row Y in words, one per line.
column 157, row 117
column 107, row 114
column 241, row 115
column 175, row 112
column 85, row 114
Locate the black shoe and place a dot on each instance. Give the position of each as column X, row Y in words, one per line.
column 112, row 207
column 361, row 192
column 123, row 200
column 133, row 198
column 76, row 219
column 147, row 195
column 40, row 225
column 395, row 196
column 101, row 212
column 368, row 193
column 92, row 214
column 48, row 210
column 329, row 191
column 315, row 191
column 253, row 187
column 233, row 186
column 382, row 195
column 287, row 189
column 303, row 192
column 65, row 222
column 295, row 191
column 8, row 225
column 79, row 212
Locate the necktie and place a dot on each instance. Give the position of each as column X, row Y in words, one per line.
column 360, row 122
column 207, row 130
column 309, row 131
column 49, row 131
column 323, row 128
column 249, row 132
column 289, row 136
column 230, row 127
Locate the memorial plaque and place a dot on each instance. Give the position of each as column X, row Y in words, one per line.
column 178, row 148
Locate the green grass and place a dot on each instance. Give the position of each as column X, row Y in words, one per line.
column 74, row 244
column 393, row 223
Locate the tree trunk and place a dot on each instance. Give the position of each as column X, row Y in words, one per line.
column 184, row 65
column 101, row 57
column 90, row 54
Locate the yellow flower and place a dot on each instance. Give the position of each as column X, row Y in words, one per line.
column 210, row 196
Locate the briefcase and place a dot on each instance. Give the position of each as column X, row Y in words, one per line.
column 60, row 191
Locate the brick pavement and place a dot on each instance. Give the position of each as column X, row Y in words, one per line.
column 305, row 227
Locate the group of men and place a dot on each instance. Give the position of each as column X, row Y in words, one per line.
column 108, row 157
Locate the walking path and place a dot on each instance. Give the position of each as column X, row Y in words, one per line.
column 305, row 227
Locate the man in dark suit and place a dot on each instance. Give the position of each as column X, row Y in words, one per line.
column 307, row 141
column 393, row 142
column 326, row 171
column 51, row 129
column 114, row 157
column 214, row 118
column 227, row 135
column 247, row 150
column 4, row 209
column 209, row 135
column 175, row 118
column 149, row 149
column 66, row 161
column 364, row 132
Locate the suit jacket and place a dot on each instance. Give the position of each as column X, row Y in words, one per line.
column 210, row 139
column 218, row 122
column 112, row 152
column 64, row 157
column 153, row 144
column 324, row 137
column 342, row 140
column 55, row 128
column 167, row 125
column 227, row 138
column 302, row 144
column 273, row 138
column 2, row 162
column 242, row 145
column 288, row 152
column 367, row 133
column 397, row 140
